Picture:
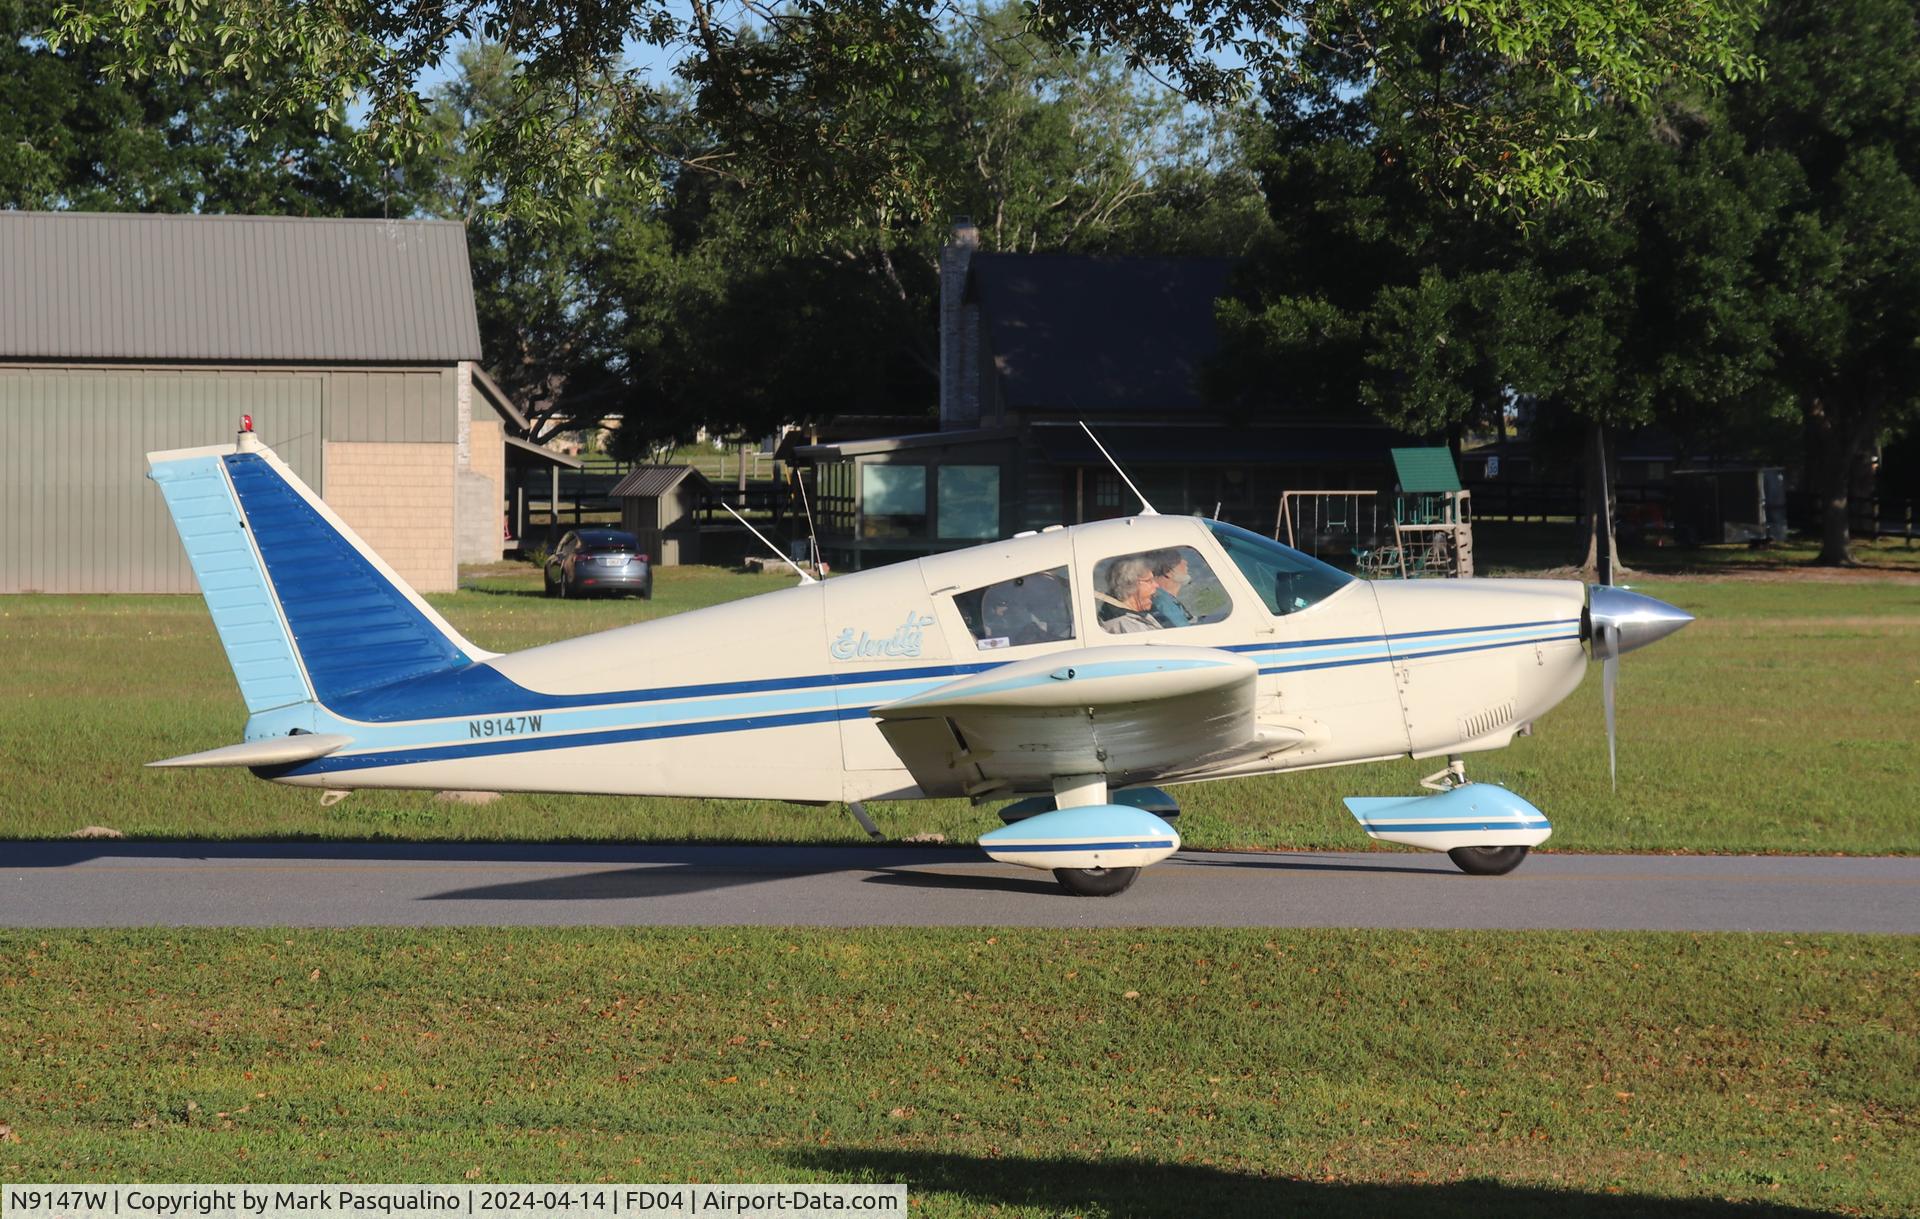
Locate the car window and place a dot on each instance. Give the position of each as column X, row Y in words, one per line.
column 1286, row 580
column 609, row 538
column 1033, row 608
column 1157, row 590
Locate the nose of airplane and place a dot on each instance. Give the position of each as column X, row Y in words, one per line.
column 1633, row 619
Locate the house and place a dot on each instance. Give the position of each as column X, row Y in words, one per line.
column 1033, row 345
column 353, row 344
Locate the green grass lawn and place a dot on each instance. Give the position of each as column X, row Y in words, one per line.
column 1138, row 1072
column 1783, row 720
column 1131, row 1072
column 1508, row 547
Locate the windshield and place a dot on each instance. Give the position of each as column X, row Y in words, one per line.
column 1286, row 580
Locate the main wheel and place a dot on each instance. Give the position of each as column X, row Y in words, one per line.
column 1487, row 861
column 1095, row 882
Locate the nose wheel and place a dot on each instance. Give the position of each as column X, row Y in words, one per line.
column 1474, row 861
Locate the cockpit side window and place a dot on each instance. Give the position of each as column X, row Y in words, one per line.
column 1286, row 580
column 1153, row 590
column 1013, row 613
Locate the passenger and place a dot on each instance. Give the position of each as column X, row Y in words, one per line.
column 1170, row 577
column 1126, row 607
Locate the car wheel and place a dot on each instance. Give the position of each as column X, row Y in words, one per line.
column 548, row 584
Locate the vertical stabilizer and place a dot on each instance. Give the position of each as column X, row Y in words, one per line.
column 305, row 611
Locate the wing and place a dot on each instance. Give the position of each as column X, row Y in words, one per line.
column 1132, row 712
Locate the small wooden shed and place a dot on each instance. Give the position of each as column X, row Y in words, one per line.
column 657, row 505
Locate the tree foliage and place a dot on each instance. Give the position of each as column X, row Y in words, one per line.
column 815, row 101
column 1643, row 301
column 704, row 305
column 75, row 135
column 1840, row 116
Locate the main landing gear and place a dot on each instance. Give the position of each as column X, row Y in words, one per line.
column 1095, row 882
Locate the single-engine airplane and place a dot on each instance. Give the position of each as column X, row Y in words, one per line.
column 1074, row 672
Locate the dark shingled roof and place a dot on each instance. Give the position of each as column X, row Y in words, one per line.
column 1077, row 333
column 125, row 286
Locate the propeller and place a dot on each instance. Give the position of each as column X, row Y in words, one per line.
column 1609, row 682
column 1618, row 621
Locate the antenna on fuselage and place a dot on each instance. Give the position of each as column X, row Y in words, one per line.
column 804, row 577
column 806, row 510
column 1146, row 509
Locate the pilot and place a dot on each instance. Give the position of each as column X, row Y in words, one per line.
column 1126, row 606
column 1171, row 577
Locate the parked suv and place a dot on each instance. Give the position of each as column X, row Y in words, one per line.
column 599, row 561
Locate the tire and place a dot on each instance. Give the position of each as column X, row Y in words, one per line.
column 564, row 594
column 646, row 594
column 550, row 586
column 1487, row 861
column 1095, row 882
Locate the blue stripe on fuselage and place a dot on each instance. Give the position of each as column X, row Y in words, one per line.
column 480, row 691
column 530, row 744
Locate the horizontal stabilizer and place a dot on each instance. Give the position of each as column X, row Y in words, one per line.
column 272, row 751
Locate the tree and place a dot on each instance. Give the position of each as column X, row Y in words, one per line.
column 795, row 109
column 1647, row 300
column 741, row 319
column 544, row 332
column 74, row 135
column 1840, row 108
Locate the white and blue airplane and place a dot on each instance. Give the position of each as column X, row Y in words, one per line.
column 1074, row 672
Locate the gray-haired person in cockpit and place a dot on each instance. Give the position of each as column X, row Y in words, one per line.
column 1126, row 606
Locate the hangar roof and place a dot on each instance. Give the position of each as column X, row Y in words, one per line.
column 127, row 286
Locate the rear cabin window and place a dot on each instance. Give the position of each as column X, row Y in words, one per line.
column 1157, row 590
column 1286, row 580
column 1013, row 613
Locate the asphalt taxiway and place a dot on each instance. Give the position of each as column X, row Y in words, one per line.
column 118, row 884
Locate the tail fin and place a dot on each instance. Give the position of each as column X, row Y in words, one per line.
column 305, row 610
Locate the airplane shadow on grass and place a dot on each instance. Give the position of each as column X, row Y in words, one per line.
column 1126, row 1188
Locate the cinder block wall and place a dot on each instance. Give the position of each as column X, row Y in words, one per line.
column 481, row 490
column 399, row 499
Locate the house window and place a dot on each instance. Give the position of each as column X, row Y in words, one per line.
column 970, row 502
column 893, row 500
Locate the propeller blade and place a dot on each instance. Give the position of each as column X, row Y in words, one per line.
column 1609, row 678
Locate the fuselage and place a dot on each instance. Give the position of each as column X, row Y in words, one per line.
column 770, row 697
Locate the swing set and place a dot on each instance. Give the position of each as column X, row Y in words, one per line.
column 1425, row 531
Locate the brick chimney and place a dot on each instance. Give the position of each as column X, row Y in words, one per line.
column 959, row 330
